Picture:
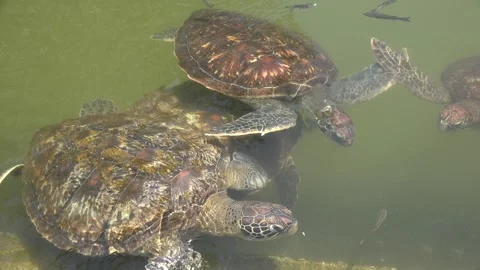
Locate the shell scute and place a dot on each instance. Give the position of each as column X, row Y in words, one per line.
column 462, row 78
column 138, row 214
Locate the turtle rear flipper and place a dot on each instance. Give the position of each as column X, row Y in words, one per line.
column 98, row 106
column 287, row 181
column 403, row 71
column 183, row 257
column 271, row 115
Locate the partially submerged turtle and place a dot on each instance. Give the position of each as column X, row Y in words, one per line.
column 272, row 151
column 142, row 185
column 461, row 86
column 274, row 70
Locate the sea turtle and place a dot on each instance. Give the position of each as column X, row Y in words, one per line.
column 272, row 151
column 461, row 86
column 274, row 70
column 142, row 185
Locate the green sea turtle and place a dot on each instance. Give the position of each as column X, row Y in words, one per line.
column 136, row 184
column 276, row 71
column 461, row 86
column 272, row 150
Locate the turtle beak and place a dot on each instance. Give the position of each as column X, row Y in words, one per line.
column 292, row 228
column 288, row 226
column 344, row 135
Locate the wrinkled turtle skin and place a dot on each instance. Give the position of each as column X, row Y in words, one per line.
column 272, row 150
column 142, row 185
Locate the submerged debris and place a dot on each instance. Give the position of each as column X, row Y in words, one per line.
column 301, row 6
column 378, row 15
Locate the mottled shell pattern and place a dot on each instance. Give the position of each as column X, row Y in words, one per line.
column 462, row 78
column 247, row 57
column 110, row 183
column 192, row 103
column 206, row 109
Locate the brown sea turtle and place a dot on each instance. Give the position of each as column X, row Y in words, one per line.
column 136, row 184
column 278, row 72
column 461, row 86
column 272, row 151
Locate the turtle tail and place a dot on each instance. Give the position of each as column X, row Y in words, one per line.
column 7, row 172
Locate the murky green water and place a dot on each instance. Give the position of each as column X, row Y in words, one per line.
column 56, row 55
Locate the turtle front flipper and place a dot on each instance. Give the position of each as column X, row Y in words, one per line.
column 181, row 256
column 98, row 107
column 270, row 116
column 287, row 181
column 362, row 86
column 403, row 71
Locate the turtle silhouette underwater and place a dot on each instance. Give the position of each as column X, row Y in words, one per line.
column 278, row 72
column 111, row 182
column 460, row 89
column 272, row 151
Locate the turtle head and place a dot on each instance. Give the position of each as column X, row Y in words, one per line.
column 264, row 221
column 336, row 124
column 455, row 116
column 250, row 220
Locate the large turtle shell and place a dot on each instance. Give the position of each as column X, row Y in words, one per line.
column 247, row 57
column 110, row 183
column 462, row 78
